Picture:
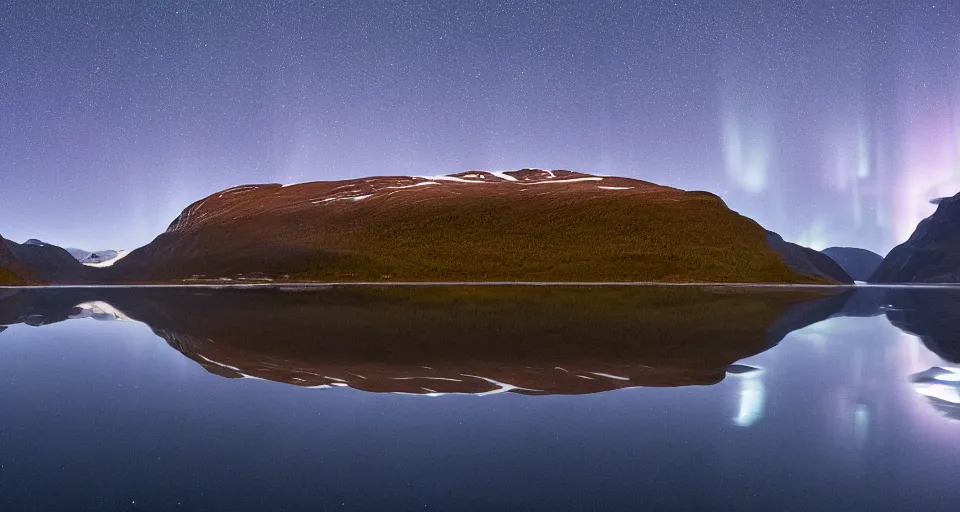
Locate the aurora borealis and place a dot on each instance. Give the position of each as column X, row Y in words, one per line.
column 832, row 123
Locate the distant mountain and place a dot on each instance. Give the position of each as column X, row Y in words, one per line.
column 931, row 254
column 35, row 262
column 99, row 257
column 103, row 259
column 807, row 261
column 859, row 263
column 78, row 254
column 526, row 225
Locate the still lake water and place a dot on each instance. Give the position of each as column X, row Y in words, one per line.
column 479, row 399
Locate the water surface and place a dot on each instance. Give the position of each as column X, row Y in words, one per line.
column 479, row 399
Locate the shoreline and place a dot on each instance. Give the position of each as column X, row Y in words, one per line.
column 580, row 284
column 577, row 284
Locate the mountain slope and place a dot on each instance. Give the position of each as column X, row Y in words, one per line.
column 527, row 225
column 78, row 254
column 35, row 262
column 12, row 270
column 859, row 263
column 807, row 261
column 931, row 254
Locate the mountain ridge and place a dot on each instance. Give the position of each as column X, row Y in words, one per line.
column 36, row 262
column 928, row 256
column 529, row 225
column 525, row 225
column 860, row 264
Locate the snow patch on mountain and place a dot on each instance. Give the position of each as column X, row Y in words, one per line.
column 104, row 259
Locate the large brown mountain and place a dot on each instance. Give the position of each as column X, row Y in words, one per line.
column 527, row 225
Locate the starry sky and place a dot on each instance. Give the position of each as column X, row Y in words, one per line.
column 830, row 122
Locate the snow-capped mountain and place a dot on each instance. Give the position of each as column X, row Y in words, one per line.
column 524, row 225
column 100, row 259
column 79, row 254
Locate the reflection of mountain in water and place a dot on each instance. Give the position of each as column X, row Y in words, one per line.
column 941, row 386
column 933, row 315
column 531, row 340
column 97, row 310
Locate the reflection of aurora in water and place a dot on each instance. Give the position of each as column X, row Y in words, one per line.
column 861, row 365
column 752, row 395
column 830, row 421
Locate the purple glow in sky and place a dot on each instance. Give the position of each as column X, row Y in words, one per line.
column 832, row 123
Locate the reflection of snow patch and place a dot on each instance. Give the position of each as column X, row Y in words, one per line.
column 211, row 361
column 941, row 392
column 948, row 377
column 503, row 387
column 228, row 367
column 941, row 386
column 607, row 375
column 937, row 373
column 428, row 378
column 98, row 310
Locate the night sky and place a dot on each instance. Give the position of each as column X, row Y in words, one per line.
column 833, row 123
